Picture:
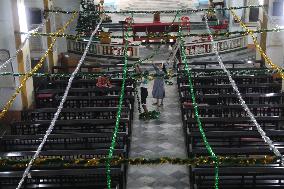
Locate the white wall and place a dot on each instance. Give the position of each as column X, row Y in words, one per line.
column 67, row 5
column 275, row 41
column 7, row 41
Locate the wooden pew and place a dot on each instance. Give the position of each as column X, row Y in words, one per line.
column 227, row 88
column 64, row 154
column 84, row 92
column 253, row 177
column 83, row 178
column 229, row 99
column 73, row 141
column 79, row 83
column 85, row 101
column 235, row 143
column 243, row 79
column 75, row 113
column 90, row 68
column 70, row 126
column 235, row 110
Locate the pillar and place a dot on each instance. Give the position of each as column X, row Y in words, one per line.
column 51, row 60
column 23, row 58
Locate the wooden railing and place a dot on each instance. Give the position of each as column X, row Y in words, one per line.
column 97, row 49
column 224, row 45
column 192, row 49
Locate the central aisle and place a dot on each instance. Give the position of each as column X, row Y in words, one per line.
column 159, row 138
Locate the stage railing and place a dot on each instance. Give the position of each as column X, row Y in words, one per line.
column 192, row 49
column 224, row 45
column 97, row 49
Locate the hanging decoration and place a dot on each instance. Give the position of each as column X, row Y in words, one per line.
column 191, row 90
column 57, row 163
column 93, row 9
column 153, row 35
column 258, row 47
column 60, row 107
column 88, row 75
column 113, row 141
column 34, row 70
column 242, row 102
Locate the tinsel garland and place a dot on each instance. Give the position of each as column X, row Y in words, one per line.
column 117, row 122
column 35, row 69
column 59, row 109
column 260, row 130
column 196, row 113
column 8, row 164
column 149, row 115
column 22, row 45
column 258, row 47
column 87, row 75
column 161, row 11
column 160, row 35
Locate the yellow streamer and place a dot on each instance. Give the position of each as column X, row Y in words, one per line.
column 261, row 51
column 36, row 68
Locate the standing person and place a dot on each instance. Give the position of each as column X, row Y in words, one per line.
column 159, row 84
column 144, row 91
column 143, row 86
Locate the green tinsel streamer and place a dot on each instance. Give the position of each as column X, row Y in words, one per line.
column 113, row 142
column 207, row 145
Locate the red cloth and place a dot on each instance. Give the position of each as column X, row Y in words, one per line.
column 103, row 82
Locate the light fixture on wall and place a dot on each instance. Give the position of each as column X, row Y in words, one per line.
column 22, row 19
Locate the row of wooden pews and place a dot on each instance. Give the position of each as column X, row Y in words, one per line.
column 84, row 130
column 229, row 130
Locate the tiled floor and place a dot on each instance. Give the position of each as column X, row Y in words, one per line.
column 159, row 138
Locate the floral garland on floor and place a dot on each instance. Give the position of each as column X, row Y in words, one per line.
column 149, row 115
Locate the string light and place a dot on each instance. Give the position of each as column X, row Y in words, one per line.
column 34, row 70
column 242, row 102
column 60, row 107
column 258, row 47
column 191, row 91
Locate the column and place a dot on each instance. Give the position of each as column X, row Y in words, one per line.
column 52, row 57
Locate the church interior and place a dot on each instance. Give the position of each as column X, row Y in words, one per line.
column 141, row 94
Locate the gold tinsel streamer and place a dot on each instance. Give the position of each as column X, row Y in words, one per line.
column 7, row 163
column 36, row 68
column 261, row 51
